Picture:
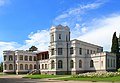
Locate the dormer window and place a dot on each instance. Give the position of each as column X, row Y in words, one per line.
column 59, row 36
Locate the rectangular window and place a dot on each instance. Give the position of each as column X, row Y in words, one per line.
column 26, row 58
column 80, row 51
column 35, row 58
column 90, row 51
column 59, row 51
column 52, row 51
column 59, row 36
column 30, row 58
column 52, row 38
column 71, row 50
column 5, row 58
column 87, row 51
column 21, row 57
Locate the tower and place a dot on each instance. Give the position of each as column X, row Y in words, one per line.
column 58, row 49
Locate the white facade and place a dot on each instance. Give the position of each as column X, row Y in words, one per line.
column 19, row 61
column 66, row 56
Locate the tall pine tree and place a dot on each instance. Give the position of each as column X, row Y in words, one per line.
column 115, row 46
column 115, row 49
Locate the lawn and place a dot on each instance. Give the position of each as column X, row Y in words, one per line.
column 40, row 76
column 108, row 79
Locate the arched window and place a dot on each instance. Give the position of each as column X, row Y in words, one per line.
column 5, row 66
column 10, row 67
column 10, row 58
column 52, row 64
column 21, row 66
column 60, row 64
column 31, row 67
column 80, row 63
column 26, row 66
column 91, row 63
column 71, row 64
column 35, row 67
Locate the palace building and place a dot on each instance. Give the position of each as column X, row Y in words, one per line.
column 64, row 56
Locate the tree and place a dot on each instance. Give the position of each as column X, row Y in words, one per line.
column 115, row 46
column 33, row 48
column 1, row 67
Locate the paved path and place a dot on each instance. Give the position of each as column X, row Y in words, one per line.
column 19, row 79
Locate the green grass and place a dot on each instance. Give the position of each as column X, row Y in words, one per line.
column 39, row 76
column 108, row 79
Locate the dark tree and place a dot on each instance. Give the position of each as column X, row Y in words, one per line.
column 33, row 48
column 115, row 46
column 1, row 67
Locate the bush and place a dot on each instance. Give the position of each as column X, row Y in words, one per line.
column 98, row 74
column 118, row 70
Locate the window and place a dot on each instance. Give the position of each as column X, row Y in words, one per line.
column 52, row 51
column 45, row 66
column 87, row 51
column 71, row 50
column 10, row 67
column 66, row 38
column 31, row 67
column 60, row 64
column 114, row 63
column 59, row 36
column 91, row 51
column 21, row 66
column 5, row 67
column 52, row 38
column 39, row 66
column 35, row 67
column 111, row 63
column 80, row 63
column 10, row 58
column 80, row 51
column 35, row 58
column 42, row 66
column 26, row 58
column 91, row 63
column 21, row 57
column 26, row 66
column 71, row 64
column 30, row 58
column 108, row 62
column 52, row 64
column 59, row 51
column 5, row 57
column 101, row 63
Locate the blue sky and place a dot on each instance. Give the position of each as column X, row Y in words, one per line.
column 24, row 23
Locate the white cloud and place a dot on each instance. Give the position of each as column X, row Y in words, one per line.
column 103, row 31
column 75, row 12
column 40, row 39
column 7, row 46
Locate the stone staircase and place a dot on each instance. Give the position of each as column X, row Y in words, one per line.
column 34, row 71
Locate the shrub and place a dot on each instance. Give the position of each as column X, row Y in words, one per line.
column 98, row 74
column 118, row 70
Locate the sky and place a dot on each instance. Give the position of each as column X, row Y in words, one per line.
column 24, row 23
